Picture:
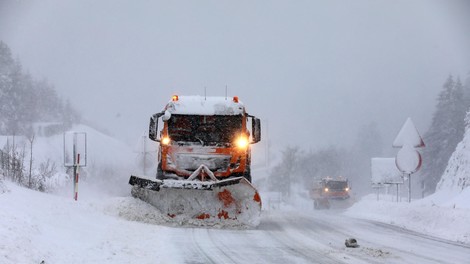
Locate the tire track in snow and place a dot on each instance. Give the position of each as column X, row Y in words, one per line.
column 240, row 246
column 420, row 235
column 205, row 246
column 309, row 252
column 404, row 246
column 329, row 236
column 248, row 246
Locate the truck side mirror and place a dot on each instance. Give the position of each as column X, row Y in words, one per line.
column 153, row 126
column 256, row 129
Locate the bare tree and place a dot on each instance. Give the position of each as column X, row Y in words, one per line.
column 13, row 161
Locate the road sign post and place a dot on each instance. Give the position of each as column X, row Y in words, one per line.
column 408, row 159
column 384, row 171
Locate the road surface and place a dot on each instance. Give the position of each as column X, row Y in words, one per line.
column 315, row 237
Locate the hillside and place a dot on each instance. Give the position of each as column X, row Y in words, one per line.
column 456, row 177
column 109, row 161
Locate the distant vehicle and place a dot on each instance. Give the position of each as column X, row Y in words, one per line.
column 327, row 189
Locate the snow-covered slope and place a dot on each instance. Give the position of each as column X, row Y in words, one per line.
column 457, row 174
column 453, row 190
column 37, row 227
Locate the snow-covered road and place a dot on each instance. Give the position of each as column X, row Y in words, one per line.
column 36, row 226
column 317, row 237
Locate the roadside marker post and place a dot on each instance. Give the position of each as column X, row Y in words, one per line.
column 76, row 174
column 75, row 153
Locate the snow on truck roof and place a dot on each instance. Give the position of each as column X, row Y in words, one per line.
column 201, row 105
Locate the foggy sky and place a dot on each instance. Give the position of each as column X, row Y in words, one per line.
column 316, row 71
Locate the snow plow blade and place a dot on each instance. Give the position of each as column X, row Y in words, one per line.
column 230, row 202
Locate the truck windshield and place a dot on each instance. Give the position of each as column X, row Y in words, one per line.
column 336, row 185
column 204, row 129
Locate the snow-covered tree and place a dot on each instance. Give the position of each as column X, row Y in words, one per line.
column 446, row 131
column 466, row 90
column 315, row 165
column 305, row 167
column 283, row 174
column 7, row 97
column 456, row 176
column 24, row 101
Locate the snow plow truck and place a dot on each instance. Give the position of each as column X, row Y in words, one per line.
column 329, row 189
column 203, row 168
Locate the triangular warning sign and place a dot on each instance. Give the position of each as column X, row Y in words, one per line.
column 408, row 135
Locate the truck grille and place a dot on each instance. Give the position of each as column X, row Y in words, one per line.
column 191, row 162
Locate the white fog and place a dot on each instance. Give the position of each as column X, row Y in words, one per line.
column 315, row 70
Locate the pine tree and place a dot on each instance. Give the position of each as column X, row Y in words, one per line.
column 24, row 101
column 466, row 90
column 6, row 86
column 446, row 131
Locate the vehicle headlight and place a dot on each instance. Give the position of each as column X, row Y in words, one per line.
column 326, row 189
column 241, row 142
column 165, row 140
column 346, row 189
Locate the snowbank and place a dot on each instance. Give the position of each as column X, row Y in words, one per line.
column 438, row 215
column 449, row 198
column 37, row 227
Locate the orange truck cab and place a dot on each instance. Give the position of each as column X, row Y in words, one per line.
column 210, row 131
column 336, row 189
column 331, row 189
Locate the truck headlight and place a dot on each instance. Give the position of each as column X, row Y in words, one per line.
column 165, row 140
column 241, row 142
column 326, row 189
